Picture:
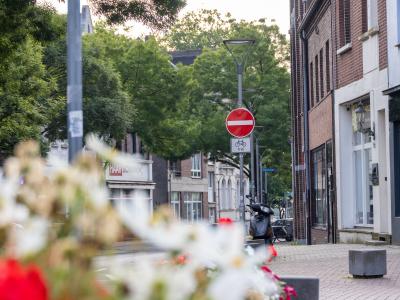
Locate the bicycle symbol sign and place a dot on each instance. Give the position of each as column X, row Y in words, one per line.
column 240, row 145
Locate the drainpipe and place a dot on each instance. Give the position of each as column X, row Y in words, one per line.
column 332, row 193
column 306, row 135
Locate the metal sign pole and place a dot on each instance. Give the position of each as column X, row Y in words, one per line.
column 241, row 186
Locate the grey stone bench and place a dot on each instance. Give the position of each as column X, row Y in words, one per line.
column 307, row 288
column 367, row 263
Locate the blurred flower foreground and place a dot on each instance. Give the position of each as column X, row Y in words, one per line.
column 54, row 222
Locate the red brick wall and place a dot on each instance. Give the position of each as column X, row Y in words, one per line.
column 382, row 22
column 349, row 64
column 186, row 167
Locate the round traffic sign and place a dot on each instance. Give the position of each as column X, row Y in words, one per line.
column 240, row 122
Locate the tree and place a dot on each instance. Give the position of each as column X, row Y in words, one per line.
column 155, row 89
column 158, row 14
column 266, row 80
column 106, row 107
column 25, row 96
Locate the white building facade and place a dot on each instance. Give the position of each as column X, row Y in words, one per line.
column 361, row 115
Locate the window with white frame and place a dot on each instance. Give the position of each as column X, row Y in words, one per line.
column 192, row 210
column 176, row 204
column 211, row 187
column 196, row 166
column 362, row 145
column 222, row 194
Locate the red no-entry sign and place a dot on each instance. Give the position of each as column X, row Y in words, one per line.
column 240, row 122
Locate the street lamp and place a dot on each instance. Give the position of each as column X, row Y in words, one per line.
column 240, row 49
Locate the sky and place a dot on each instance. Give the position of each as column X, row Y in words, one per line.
column 248, row 10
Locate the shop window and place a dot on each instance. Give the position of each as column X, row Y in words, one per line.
column 196, row 166
column 192, row 210
column 319, row 187
column 362, row 158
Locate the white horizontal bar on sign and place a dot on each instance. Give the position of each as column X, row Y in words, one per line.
column 240, row 123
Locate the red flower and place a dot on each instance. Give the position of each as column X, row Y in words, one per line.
column 272, row 250
column 225, row 221
column 18, row 283
column 268, row 270
column 289, row 291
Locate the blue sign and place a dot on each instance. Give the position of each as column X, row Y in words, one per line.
column 269, row 170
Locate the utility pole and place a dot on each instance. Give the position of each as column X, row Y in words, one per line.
column 74, row 76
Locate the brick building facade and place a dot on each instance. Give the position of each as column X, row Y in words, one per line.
column 340, row 120
column 312, row 102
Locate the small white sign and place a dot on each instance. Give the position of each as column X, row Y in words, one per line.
column 240, row 145
column 76, row 123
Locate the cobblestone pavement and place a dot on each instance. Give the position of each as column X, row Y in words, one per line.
column 330, row 264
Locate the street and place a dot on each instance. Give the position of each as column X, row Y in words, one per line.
column 330, row 264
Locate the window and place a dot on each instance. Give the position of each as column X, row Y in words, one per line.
column 316, row 80
column 311, row 85
column 196, row 165
column 176, row 204
column 319, row 190
column 222, row 195
column 344, row 15
column 192, row 210
column 212, row 215
column 321, row 73
column 176, row 168
column 362, row 168
column 327, row 67
column 210, row 187
column 364, row 14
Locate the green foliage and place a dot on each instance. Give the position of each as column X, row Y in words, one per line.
column 158, row 14
column 25, row 91
column 266, row 79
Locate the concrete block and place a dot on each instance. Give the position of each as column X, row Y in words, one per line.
column 366, row 263
column 307, row 288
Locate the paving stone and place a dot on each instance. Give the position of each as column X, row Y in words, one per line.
column 330, row 264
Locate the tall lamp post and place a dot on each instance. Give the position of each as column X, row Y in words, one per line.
column 74, row 75
column 240, row 58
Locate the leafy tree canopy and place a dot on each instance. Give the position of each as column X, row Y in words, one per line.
column 266, row 86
